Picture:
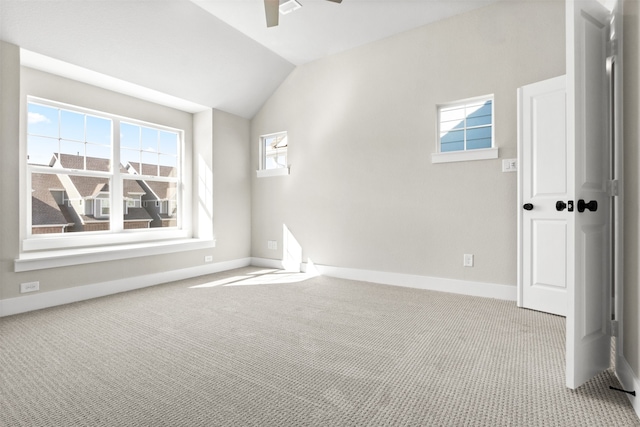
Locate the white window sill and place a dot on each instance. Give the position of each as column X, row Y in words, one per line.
column 263, row 173
column 465, row 156
column 29, row 261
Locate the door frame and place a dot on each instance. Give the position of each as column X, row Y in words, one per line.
column 617, row 219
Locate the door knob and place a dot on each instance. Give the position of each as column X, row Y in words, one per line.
column 527, row 206
column 592, row 205
column 560, row 205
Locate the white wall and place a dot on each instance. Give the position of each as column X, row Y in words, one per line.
column 225, row 153
column 362, row 191
column 232, row 184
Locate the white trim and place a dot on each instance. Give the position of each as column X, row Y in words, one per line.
column 115, row 235
column 263, row 173
column 462, row 103
column 98, row 239
column 465, row 101
column 61, row 258
column 464, row 156
column 628, row 380
column 267, row 263
column 519, row 189
column 79, row 293
column 464, row 287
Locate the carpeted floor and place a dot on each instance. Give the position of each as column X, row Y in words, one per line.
column 255, row 348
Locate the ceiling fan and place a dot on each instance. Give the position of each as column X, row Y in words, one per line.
column 273, row 7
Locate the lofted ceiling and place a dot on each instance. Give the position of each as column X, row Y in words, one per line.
column 320, row 28
column 215, row 53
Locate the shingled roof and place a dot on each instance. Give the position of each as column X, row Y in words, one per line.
column 162, row 190
column 92, row 186
column 44, row 208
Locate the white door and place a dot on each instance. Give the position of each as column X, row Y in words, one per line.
column 546, row 218
column 588, row 278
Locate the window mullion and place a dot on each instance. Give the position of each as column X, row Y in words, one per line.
column 84, row 142
column 464, row 132
column 116, row 216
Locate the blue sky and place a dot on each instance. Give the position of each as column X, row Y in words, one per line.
column 51, row 130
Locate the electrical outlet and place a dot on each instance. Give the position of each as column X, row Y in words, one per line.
column 208, row 258
column 29, row 287
column 272, row 244
column 468, row 260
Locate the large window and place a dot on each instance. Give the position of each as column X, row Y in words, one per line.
column 93, row 172
column 466, row 127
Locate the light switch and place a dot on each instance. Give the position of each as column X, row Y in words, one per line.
column 509, row 165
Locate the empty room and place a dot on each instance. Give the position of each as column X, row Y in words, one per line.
column 319, row 212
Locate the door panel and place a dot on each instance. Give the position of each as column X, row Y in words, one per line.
column 594, row 93
column 595, row 298
column 550, row 149
column 550, row 266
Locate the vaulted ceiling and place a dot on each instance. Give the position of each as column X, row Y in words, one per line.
column 217, row 53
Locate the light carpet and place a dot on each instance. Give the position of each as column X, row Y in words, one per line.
column 255, row 348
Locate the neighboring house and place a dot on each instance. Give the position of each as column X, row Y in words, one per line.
column 160, row 198
column 83, row 201
column 49, row 214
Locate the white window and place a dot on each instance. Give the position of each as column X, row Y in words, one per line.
column 100, row 157
column 273, row 154
column 465, row 131
column 134, row 203
column 102, row 208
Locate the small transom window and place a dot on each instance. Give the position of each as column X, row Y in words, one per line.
column 273, row 154
column 465, row 130
column 466, row 126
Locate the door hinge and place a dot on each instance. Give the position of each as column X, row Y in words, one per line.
column 614, row 188
column 614, row 328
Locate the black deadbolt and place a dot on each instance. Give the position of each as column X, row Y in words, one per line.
column 527, row 206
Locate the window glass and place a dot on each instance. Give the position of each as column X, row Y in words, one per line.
column 150, row 151
column 71, row 170
column 466, row 125
column 154, row 201
column 274, row 151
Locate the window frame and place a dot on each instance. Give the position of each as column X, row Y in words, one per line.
column 465, row 154
column 115, row 235
column 262, row 171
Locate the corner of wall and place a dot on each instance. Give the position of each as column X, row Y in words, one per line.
column 9, row 132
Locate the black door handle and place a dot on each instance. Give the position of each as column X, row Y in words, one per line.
column 560, row 205
column 527, row 206
column 592, row 205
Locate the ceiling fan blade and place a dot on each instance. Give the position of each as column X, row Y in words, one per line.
column 336, row 1
column 271, row 12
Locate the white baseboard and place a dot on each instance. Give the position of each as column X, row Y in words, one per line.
column 628, row 380
column 266, row 263
column 465, row 287
column 38, row 301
